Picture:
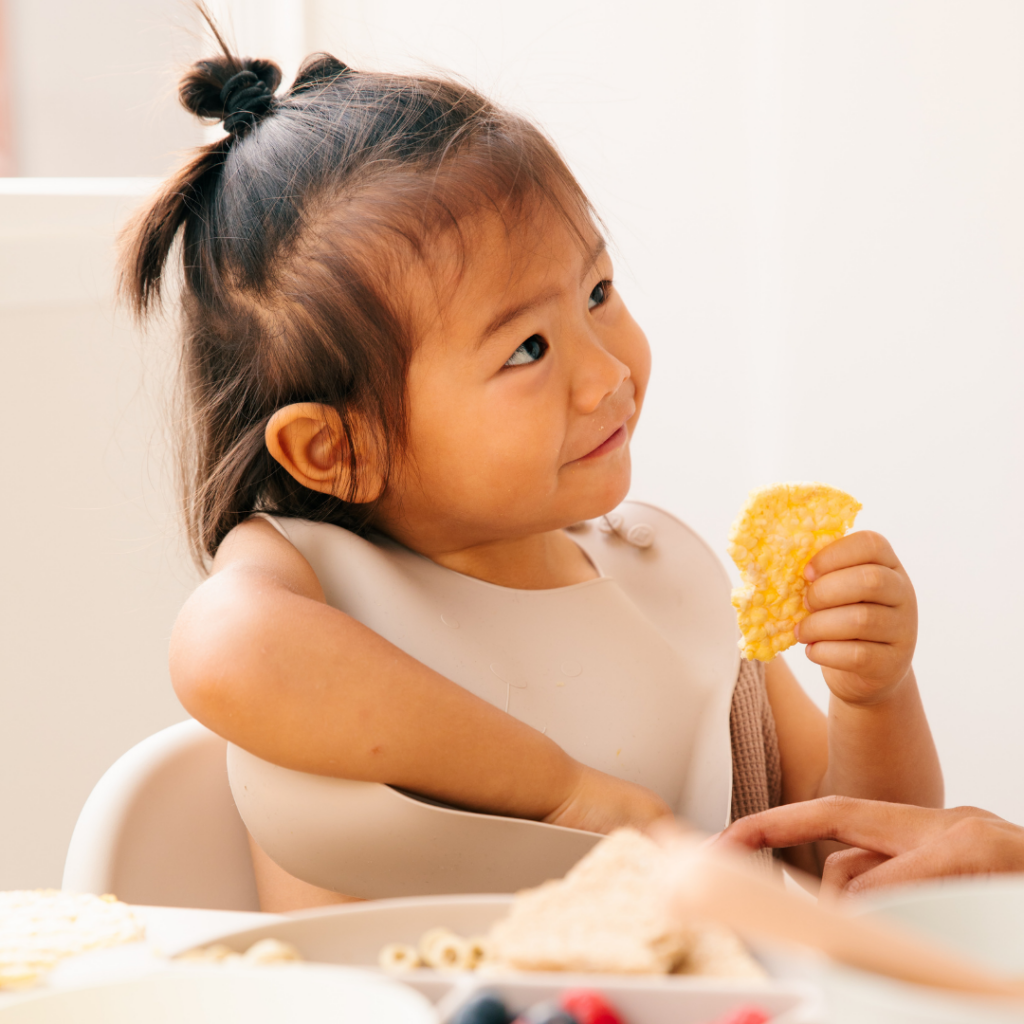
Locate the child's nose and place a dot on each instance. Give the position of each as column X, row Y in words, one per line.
column 599, row 375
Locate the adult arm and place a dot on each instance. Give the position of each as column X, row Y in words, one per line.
column 890, row 843
column 260, row 658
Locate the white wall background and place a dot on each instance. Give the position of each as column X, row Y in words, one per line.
column 818, row 217
column 92, row 576
column 94, row 85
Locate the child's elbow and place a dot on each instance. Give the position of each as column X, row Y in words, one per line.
column 194, row 685
column 202, row 664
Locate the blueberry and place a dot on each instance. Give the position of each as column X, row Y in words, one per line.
column 545, row 1013
column 485, row 1008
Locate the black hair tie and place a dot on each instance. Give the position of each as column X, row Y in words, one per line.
column 246, row 98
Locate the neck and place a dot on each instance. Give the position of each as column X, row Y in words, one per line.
column 541, row 561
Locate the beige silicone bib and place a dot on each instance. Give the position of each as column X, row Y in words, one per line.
column 631, row 673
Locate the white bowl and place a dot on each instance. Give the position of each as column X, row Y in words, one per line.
column 981, row 917
column 214, row 994
column 355, row 933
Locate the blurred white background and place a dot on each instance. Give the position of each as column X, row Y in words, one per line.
column 818, row 217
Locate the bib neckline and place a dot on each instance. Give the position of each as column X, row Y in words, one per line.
column 382, row 539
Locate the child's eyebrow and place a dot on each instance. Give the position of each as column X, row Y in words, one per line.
column 506, row 316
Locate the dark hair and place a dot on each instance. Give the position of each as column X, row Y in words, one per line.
column 286, row 226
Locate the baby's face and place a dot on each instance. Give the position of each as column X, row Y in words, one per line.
column 523, row 392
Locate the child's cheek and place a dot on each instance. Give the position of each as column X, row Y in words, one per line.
column 639, row 361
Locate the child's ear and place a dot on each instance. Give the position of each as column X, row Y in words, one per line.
column 308, row 439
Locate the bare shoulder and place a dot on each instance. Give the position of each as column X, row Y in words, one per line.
column 255, row 573
column 256, row 549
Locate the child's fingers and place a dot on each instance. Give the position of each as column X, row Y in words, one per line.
column 854, row 622
column 853, row 549
column 873, row 583
column 863, row 658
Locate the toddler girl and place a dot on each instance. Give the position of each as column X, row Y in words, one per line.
column 404, row 358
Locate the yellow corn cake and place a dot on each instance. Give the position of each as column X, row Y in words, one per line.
column 780, row 529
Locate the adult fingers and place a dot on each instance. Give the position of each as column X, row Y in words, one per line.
column 937, row 859
column 977, row 842
column 854, row 622
column 868, row 824
column 842, row 867
column 866, row 581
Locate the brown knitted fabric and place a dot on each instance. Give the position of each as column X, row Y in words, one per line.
column 756, row 769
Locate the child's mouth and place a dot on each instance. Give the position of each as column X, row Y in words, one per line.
column 609, row 444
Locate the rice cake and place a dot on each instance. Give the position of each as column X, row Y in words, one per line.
column 38, row 928
column 610, row 914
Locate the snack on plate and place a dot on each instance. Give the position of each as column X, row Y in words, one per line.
column 720, row 953
column 398, row 956
column 266, row 951
column 609, row 914
column 215, row 953
column 38, row 928
column 603, row 916
column 780, row 529
column 439, row 948
column 271, row 951
column 574, row 1006
column 444, row 950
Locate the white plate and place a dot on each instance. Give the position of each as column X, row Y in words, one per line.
column 279, row 994
column 980, row 917
column 649, row 1000
column 355, row 933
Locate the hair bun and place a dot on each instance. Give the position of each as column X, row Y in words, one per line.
column 236, row 91
column 319, row 69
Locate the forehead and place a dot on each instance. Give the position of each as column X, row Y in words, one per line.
column 490, row 260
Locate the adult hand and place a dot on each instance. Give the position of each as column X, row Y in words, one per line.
column 891, row 843
column 862, row 627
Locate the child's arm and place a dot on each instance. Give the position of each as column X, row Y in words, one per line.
column 260, row 658
column 862, row 631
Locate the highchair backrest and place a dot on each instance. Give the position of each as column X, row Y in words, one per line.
column 161, row 829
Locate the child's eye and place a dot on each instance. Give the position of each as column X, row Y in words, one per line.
column 529, row 352
column 600, row 294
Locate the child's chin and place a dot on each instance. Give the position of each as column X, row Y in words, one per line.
column 601, row 504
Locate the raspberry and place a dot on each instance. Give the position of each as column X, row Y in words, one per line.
column 589, row 1007
column 745, row 1015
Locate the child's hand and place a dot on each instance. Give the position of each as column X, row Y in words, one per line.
column 863, row 623
column 602, row 803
